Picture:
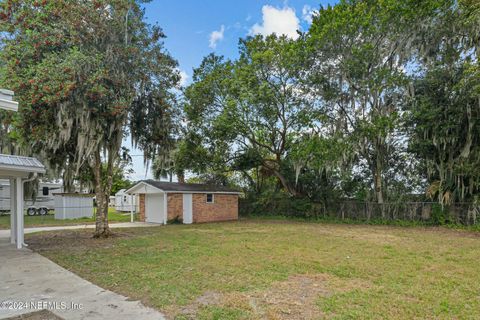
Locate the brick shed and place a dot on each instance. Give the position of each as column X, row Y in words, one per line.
column 161, row 202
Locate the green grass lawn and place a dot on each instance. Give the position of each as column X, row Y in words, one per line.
column 255, row 269
column 49, row 220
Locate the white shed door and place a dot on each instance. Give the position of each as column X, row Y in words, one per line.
column 154, row 208
column 187, row 208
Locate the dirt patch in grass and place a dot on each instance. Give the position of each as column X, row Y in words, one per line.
column 291, row 299
column 295, row 298
column 209, row 298
column 79, row 240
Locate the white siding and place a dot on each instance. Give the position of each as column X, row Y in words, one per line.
column 70, row 206
column 123, row 202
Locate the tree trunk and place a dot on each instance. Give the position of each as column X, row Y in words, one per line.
column 378, row 186
column 181, row 176
column 102, row 194
column 285, row 184
column 376, row 168
column 251, row 181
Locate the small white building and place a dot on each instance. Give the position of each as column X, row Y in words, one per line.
column 111, row 201
column 73, row 205
column 125, row 202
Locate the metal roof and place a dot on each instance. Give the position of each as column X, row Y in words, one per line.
column 188, row 187
column 7, row 92
column 19, row 163
column 6, row 100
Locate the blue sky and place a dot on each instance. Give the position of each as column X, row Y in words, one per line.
column 195, row 28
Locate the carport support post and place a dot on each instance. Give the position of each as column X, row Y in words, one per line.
column 13, row 211
column 165, row 208
column 19, row 212
column 131, row 208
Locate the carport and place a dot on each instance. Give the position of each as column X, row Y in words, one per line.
column 155, row 202
column 18, row 170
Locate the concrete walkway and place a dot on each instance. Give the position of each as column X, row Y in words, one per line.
column 6, row 233
column 27, row 277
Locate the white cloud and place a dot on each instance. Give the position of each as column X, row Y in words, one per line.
column 279, row 21
column 237, row 25
column 216, row 36
column 307, row 13
column 183, row 78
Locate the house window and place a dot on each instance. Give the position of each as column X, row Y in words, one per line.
column 209, row 197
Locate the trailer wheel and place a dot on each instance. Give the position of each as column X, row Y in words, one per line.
column 31, row 211
column 43, row 211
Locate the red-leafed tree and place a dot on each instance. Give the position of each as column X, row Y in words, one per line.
column 86, row 73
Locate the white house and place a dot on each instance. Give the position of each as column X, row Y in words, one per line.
column 111, row 201
column 124, row 202
column 18, row 170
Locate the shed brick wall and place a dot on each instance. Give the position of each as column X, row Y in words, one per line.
column 175, row 206
column 224, row 208
column 141, row 213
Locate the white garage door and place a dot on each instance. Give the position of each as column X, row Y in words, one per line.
column 154, row 208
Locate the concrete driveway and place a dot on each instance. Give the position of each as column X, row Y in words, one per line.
column 29, row 282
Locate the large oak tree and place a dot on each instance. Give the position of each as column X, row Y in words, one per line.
column 248, row 113
column 83, row 71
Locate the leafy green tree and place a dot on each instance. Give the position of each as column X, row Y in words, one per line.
column 121, row 169
column 168, row 164
column 248, row 113
column 81, row 71
column 445, row 133
column 359, row 51
column 443, row 115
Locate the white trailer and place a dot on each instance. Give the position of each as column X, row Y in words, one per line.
column 42, row 204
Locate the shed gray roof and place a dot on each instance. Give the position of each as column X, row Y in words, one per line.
column 121, row 192
column 21, row 163
column 185, row 187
